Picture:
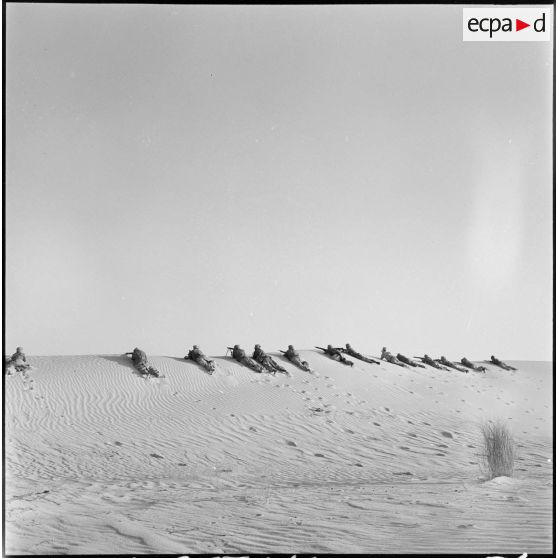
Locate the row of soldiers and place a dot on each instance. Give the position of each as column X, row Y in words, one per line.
column 261, row 362
column 441, row 363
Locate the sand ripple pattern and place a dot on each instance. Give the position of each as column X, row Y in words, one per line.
column 368, row 460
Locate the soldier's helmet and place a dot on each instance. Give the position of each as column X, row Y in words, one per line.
column 291, row 347
column 348, row 345
column 196, row 347
column 19, row 350
column 329, row 347
column 257, row 347
column 237, row 346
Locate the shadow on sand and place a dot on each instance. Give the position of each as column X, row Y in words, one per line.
column 184, row 360
column 123, row 361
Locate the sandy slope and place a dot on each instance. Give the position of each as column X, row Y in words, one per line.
column 363, row 459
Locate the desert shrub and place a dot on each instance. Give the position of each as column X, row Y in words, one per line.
column 498, row 455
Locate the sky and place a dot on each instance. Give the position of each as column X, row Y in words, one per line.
column 306, row 175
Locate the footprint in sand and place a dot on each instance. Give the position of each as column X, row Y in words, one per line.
column 410, row 422
column 252, row 428
column 319, row 455
column 446, row 434
column 348, row 430
column 404, row 448
column 156, row 455
column 375, row 423
column 290, row 443
column 387, row 409
column 118, row 444
column 442, row 446
column 411, row 435
column 427, row 423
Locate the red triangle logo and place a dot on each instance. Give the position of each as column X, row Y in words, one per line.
column 519, row 25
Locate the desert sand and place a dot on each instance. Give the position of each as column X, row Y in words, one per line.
column 368, row 459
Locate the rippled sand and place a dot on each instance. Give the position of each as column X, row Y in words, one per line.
column 366, row 459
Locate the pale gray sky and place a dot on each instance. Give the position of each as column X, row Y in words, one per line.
column 274, row 175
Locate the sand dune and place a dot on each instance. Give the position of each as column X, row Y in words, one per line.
column 365, row 459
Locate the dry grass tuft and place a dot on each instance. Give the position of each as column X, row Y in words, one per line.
column 498, row 455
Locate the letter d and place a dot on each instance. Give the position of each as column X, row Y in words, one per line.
column 542, row 21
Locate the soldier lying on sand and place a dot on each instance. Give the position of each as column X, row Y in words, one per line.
column 139, row 358
column 240, row 356
column 445, row 362
column 198, row 357
column 294, row 357
column 431, row 362
column 408, row 361
column 17, row 361
column 388, row 357
column 335, row 354
column 469, row 364
column 266, row 361
column 351, row 352
column 501, row 364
